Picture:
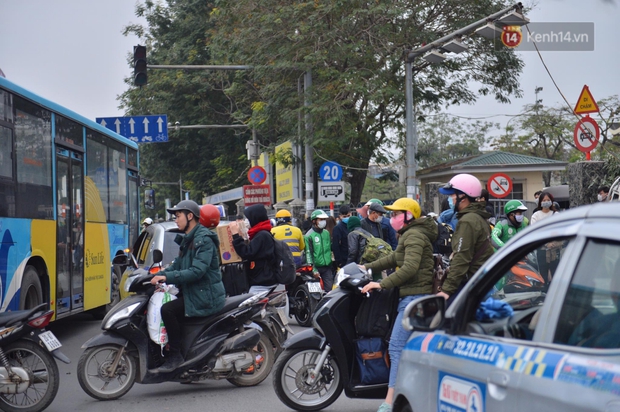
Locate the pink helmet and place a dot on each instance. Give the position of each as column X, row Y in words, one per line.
column 466, row 183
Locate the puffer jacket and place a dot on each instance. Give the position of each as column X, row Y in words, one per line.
column 471, row 234
column 413, row 257
column 196, row 271
column 357, row 244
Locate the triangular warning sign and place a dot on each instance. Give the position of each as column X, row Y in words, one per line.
column 586, row 103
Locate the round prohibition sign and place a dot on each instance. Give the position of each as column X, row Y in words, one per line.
column 587, row 134
column 257, row 175
column 499, row 185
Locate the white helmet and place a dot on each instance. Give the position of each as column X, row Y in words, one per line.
column 147, row 221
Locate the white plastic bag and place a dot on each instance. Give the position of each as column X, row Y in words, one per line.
column 157, row 329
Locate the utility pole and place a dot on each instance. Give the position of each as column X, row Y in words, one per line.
column 309, row 163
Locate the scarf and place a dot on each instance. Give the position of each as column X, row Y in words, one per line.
column 264, row 225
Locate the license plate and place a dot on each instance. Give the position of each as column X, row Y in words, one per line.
column 283, row 317
column 314, row 287
column 50, row 341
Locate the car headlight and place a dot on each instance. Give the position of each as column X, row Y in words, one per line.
column 121, row 314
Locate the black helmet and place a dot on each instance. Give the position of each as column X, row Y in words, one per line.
column 188, row 206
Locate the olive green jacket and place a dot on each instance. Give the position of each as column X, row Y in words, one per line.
column 196, row 271
column 471, row 234
column 413, row 257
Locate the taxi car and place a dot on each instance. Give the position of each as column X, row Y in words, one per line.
column 550, row 347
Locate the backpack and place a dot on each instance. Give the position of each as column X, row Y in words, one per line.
column 376, row 314
column 284, row 265
column 443, row 244
column 375, row 248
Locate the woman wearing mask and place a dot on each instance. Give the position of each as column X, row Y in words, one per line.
column 448, row 216
column 547, row 256
column 414, row 277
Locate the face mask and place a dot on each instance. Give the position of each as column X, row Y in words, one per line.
column 519, row 218
column 451, row 202
column 321, row 224
column 398, row 222
column 546, row 204
column 247, row 223
column 344, row 220
column 379, row 219
column 600, row 198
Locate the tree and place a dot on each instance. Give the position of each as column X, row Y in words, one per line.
column 355, row 50
column 207, row 160
column 444, row 138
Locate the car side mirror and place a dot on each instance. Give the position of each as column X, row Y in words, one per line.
column 425, row 314
column 158, row 256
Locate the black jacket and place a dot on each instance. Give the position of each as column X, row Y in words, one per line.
column 357, row 244
column 259, row 253
column 340, row 245
column 373, row 228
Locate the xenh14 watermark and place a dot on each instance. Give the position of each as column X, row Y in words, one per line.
column 550, row 37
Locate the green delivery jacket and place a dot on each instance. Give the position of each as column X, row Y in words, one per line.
column 318, row 247
column 471, row 234
column 504, row 231
column 413, row 257
column 196, row 271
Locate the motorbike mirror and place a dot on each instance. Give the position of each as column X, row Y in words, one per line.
column 120, row 260
column 158, row 256
column 425, row 314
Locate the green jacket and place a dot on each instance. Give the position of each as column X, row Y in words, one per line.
column 413, row 257
column 196, row 271
column 318, row 247
column 504, row 231
column 471, row 234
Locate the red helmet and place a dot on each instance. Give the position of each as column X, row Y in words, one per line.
column 209, row 216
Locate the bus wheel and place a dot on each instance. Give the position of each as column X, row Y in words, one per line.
column 30, row 295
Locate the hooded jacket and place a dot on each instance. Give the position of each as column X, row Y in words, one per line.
column 413, row 257
column 259, row 253
column 197, row 272
column 471, row 234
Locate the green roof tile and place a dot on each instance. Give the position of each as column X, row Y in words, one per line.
column 503, row 158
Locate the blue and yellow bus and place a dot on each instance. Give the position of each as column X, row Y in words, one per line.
column 68, row 204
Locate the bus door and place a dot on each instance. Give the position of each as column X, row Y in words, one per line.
column 70, row 230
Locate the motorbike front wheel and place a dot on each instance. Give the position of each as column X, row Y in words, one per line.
column 291, row 380
column 264, row 358
column 94, row 372
column 43, row 372
column 305, row 305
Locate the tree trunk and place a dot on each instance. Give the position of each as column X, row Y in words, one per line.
column 357, row 181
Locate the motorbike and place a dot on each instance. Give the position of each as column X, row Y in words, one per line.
column 29, row 375
column 233, row 344
column 524, row 277
column 304, row 295
column 319, row 363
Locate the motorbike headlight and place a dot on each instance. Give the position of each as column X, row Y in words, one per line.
column 533, row 281
column 121, row 314
column 340, row 276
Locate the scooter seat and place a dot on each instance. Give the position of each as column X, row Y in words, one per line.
column 10, row 318
column 231, row 303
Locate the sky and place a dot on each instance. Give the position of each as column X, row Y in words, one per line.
column 74, row 53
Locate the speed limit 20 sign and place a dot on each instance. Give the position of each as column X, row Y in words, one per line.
column 499, row 185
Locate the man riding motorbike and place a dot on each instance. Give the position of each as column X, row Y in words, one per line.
column 515, row 222
column 196, row 272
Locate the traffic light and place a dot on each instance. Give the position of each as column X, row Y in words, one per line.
column 139, row 65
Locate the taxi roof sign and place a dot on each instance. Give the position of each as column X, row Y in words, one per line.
column 586, row 103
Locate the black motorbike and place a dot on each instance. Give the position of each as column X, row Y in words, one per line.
column 318, row 363
column 29, row 375
column 304, row 295
column 232, row 344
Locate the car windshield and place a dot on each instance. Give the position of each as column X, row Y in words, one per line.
column 171, row 249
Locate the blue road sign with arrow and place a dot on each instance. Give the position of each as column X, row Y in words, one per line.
column 140, row 129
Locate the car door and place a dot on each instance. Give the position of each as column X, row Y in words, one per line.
column 579, row 331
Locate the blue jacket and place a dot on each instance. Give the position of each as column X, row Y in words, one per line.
column 448, row 216
column 389, row 233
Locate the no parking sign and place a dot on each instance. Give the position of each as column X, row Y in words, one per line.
column 499, row 185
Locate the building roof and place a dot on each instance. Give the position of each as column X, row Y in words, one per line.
column 491, row 162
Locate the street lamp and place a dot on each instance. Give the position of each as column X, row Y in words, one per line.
column 432, row 53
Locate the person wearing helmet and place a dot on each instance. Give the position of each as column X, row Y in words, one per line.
column 147, row 222
column 196, row 273
column 515, row 222
column 414, row 261
column 289, row 234
column 259, row 253
column 319, row 249
column 209, row 216
column 470, row 241
column 377, row 225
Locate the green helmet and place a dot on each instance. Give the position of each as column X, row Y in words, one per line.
column 373, row 201
column 513, row 206
column 318, row 214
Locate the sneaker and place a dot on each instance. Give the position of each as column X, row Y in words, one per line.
column 385, row 407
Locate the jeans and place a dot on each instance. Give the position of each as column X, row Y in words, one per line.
column 327, row 274
column 399, row 338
